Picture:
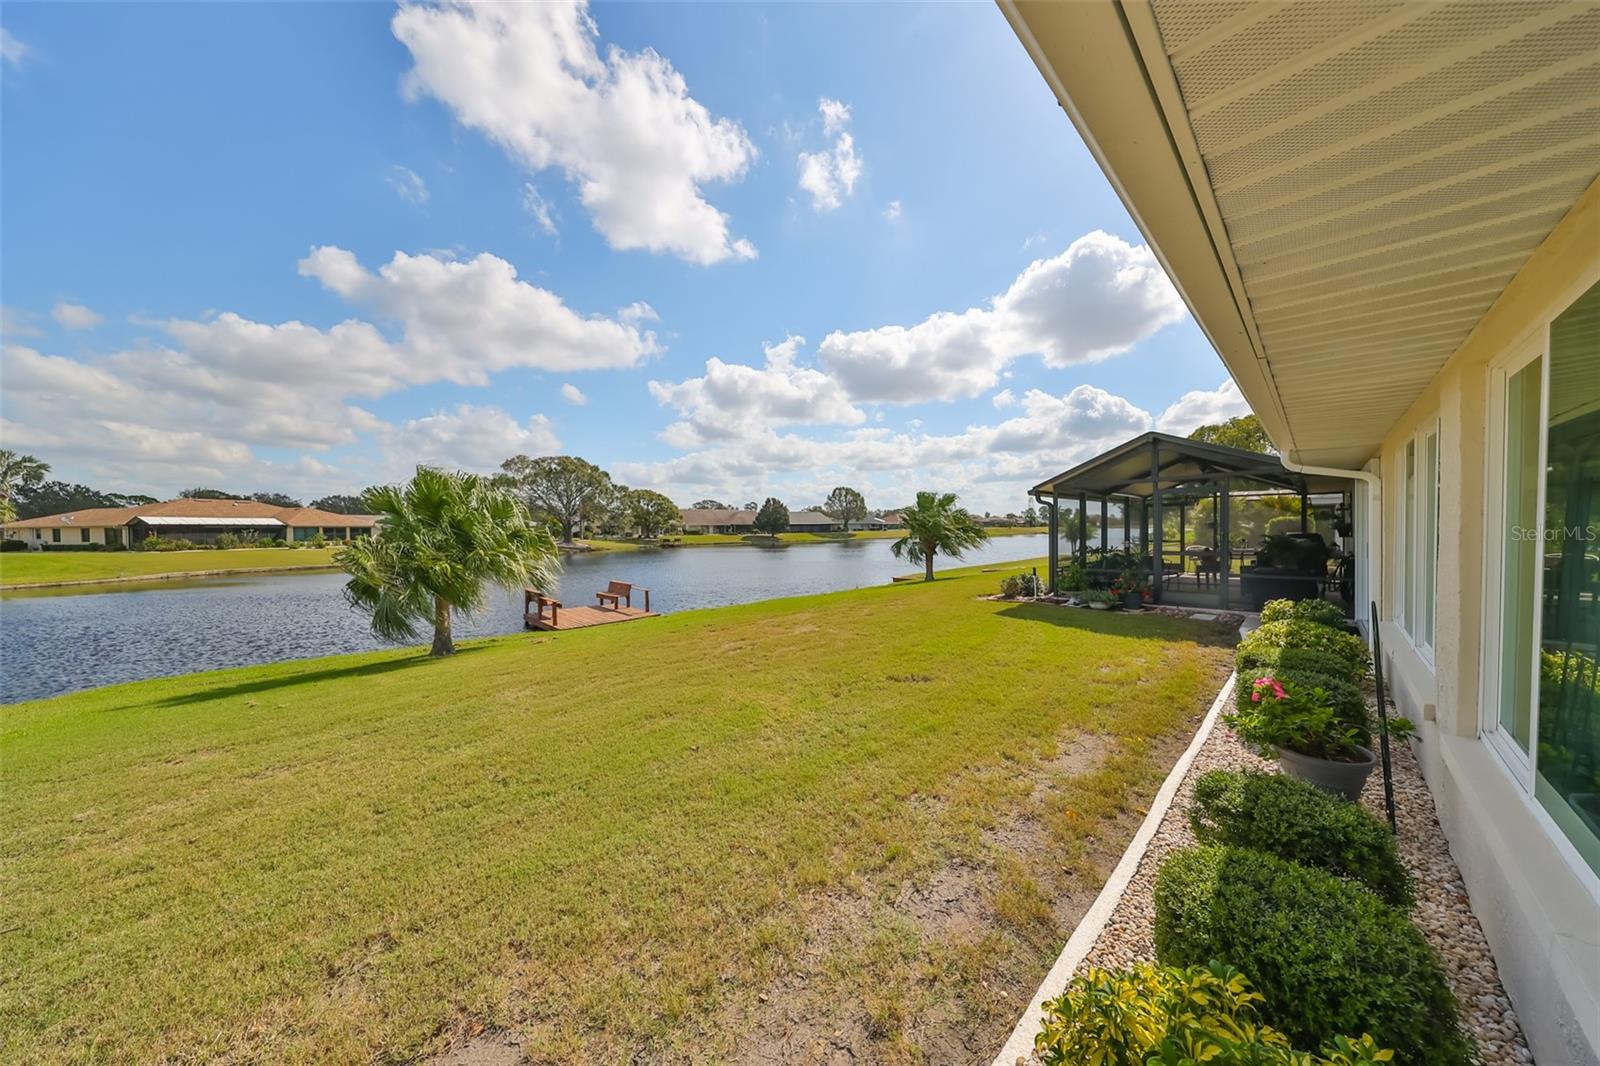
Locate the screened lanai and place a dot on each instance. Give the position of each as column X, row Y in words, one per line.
column 1236, row 527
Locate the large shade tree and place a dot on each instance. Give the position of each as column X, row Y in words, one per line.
column 443, row 540
column 845, row 504
column 18, row 473
column 937, row 525
column 773, row 518
column 651, row 513
column 1243, row 432
column 569, row 490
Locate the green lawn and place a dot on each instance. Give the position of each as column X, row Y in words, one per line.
column 654, row 841
column 23, row 568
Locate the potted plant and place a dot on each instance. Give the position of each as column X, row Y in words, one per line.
column 1302, row 729
column 1097, row 600
column 1131, row 587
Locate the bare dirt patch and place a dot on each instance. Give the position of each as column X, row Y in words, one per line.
column 485, row 1049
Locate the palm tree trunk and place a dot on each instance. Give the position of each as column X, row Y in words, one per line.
column 442, row 642
column 927, row 561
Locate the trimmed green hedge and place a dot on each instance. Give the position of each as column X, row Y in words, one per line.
column 1297, row 633
column 1345, row 698
column 1328, row 956
column 1297, row 821
column 1320, row 611
column 1266, row 657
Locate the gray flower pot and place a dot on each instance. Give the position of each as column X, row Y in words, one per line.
column 1341, row 778
column 1132, row 601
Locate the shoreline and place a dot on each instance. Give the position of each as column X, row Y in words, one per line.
column 177, row 575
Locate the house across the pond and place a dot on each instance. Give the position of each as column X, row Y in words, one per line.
column 742, row 521
column 199, row 521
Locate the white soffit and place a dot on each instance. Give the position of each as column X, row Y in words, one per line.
column 178, row 520
column 1381, row 170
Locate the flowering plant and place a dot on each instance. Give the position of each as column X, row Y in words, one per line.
column 1131, row 580
column 1299, row 719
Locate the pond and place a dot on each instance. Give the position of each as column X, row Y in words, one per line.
column 61, row 640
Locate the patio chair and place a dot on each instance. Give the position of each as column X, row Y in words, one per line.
column 619, row 592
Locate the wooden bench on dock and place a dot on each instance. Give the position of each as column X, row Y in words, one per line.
column 534, row 604
column 620, row 592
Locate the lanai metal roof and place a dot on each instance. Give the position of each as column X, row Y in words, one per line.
column 1126, row 471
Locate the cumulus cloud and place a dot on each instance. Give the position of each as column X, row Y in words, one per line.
column 214, row 389
column 621, row 126
column 407, row 184
column 573, row 395
column 1203, row 407
column 893, row 212
column 735, row 401
column 829, row 176
column 75, row 316
column 1097, row 299
column 464, row 320
column 469, row 437
column 1004, row 398
column 994, row 463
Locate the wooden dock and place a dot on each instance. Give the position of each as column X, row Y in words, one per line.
column 583, row 617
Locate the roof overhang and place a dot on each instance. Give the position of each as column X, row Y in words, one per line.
column 1178, row 465
column 221, row 523
column 1339, row 192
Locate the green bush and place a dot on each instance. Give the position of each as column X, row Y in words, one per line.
column 1263, row 656
column 227, row 540
column 1327, row 956
column 1283, row 716
column 1018, row 585
column 1300, row 822
column 74, row 547
column 1345, row 698
column 1320, row 611
column 13, row 544
column 1298, row 633
column 1164, row 1014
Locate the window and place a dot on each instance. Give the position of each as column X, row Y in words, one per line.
column 83, row 536
column 55, row 536
column 1542, row 612
column 1417, row 554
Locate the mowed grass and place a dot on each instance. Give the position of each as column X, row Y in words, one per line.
column 606, row 841
column 23, row 568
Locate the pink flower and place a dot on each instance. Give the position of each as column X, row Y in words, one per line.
column 1268, row 683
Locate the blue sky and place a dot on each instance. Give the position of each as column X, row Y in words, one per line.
column 301, row 247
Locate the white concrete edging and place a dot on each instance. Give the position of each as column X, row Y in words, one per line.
column 1020, row 1044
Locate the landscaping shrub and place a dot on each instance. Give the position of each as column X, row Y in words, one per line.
column 74, row 547
column 1343, row 696
column 12, row 544
column 1283, row 716
column 170, row 544
column 1328, row 957
column 1250, row 657
column 1320, row 611
column 1166, row 1014
column 1297, row 821
column 1013, row 587
column 227, row 540
column 1298, row 633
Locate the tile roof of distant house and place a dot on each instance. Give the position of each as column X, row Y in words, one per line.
column 716, row 516
column 811, row 518
column 197, row 509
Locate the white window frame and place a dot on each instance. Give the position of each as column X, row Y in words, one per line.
column 1520, row 763
column 1409, row 545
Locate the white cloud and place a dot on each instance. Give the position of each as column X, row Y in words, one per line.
column 573, row 395
column 893, row 212
column 407, row 184
column 12, row 51
column 536, row 205
column 638, row 311
column 1203, row 407
column 736, row 401
column 829, row 176
column 219, row 387
column 1097, row 299
column 477, row 439
column 75, row 316
column 464, row 320
column 621, row 126
column 1004, row 398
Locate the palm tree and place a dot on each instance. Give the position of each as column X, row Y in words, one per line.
column 935, row 525
column 441, row 541
column 17, row 471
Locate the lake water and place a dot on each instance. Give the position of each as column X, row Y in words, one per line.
column 61, row 640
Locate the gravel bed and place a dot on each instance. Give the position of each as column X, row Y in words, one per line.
column 1442, row 910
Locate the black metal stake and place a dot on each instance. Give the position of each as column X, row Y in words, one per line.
column 1383, row 719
